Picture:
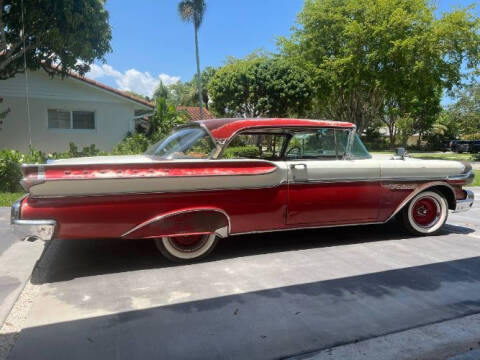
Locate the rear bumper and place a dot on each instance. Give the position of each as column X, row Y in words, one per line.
column 465, row 204
column 30, row 229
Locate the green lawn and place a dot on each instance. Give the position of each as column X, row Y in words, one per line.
column 476, row 181
column 7, row 199
column 434, row 156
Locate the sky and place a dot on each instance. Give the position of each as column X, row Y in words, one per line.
column 150, row 42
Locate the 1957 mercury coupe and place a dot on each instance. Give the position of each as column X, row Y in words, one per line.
column 216, row 178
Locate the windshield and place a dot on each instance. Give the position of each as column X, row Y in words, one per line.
column 184, row 143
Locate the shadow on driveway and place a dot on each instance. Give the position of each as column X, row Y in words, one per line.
column 80, row 258
column 265, row 324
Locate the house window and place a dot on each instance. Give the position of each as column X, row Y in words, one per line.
column 58, row 119
column 72, row 120
column 83, row 120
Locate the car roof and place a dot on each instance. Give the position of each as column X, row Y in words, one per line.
column 225, row 128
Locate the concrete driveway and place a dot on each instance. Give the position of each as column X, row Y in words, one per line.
column 266, row 296
column 17, row 260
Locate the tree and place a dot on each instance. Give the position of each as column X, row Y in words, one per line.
column 465, row 112
column 165, row 118
column 162, row 91
column 3, row 114
column 205, row 77
column 193, row 11
column 137, row 95
column 185, row 93
column 65, row 34
column 365, row 56
column 260, row 87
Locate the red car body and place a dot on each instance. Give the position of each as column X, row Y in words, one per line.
column 190, row 198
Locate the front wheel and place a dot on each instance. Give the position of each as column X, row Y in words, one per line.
column 186, row 248
column 425, row 214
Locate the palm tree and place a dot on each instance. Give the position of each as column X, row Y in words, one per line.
column 193, row 11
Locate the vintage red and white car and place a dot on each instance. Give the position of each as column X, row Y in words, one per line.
column 217, row 178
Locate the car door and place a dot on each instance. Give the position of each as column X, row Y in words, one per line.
column 326, row 187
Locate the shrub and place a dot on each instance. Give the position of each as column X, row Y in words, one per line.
column 241, row 151
column 132, row 144
column 10, row 174
column 35, row 156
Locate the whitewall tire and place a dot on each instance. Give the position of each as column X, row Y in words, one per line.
column 426, row 213
column 186, row 248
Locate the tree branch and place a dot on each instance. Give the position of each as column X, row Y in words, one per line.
column 8, row 58
column 3, row 39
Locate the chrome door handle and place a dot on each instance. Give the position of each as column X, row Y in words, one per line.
column 298, row 166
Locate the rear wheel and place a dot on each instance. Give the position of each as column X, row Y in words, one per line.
column 425, row 214
column 186, row 248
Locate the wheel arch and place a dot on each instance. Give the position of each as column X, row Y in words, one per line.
column 182, row 222
column 446, row 191
column 438, row 186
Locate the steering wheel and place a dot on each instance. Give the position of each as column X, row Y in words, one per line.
column 293, row 148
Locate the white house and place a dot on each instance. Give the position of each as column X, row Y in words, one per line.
column 57, row 112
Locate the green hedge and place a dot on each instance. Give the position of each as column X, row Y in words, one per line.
column 241, row 151
column 12, row 160
column 10, row 175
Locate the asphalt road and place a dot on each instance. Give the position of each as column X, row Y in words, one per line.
column 266, row 296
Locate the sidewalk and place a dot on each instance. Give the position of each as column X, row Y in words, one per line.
column 17, row 260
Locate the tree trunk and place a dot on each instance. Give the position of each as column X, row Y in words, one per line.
column 199, row 80
column 391, row 134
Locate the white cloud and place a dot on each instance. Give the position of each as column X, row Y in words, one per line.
column 131, row 80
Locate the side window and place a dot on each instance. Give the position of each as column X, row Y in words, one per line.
column 255, row 146
column 359, row 151
column 321, row 144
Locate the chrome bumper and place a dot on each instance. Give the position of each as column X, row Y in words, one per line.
column 30, row 229
column 466, row 204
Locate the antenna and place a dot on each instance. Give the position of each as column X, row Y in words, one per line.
column 29, row 138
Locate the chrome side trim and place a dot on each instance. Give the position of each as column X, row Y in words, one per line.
column 372, row 179
column 463, row 176
column 158, row 218
column 465, row 204
column 415, row 192
column 151, row 177
column 307, row 228
column 283, row 182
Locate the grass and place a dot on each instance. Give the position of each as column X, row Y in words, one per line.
column 8, row 198
column 435, row 155
column 476, row 180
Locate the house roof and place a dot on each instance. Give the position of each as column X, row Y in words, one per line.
column 194, row 112
column 225, row 128
column 111, row 89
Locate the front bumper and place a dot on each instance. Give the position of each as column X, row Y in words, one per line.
column 30, row 229
column 465, row 204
